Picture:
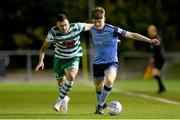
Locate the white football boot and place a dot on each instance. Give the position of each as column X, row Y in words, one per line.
column 64, row 104
column 58, row 104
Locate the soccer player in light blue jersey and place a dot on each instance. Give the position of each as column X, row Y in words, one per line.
column 66, row 39
column 105, row 63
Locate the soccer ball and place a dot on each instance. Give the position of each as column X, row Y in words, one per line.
column 114, row 108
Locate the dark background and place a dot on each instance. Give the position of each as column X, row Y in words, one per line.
column 24, row 23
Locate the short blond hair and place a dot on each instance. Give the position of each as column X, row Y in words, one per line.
column 98, row 13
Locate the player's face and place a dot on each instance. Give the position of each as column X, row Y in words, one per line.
column 152, row 32
column 63, row 26
column 99, row 23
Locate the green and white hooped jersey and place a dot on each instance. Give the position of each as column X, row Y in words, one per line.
column 67, row 45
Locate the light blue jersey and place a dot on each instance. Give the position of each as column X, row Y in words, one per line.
column 105, row 43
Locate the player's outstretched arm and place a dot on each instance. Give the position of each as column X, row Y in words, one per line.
column 45, row 45
column 140, row 37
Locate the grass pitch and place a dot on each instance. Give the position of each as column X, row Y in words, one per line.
column 138, row 98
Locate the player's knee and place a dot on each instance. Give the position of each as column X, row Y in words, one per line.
column 71, row 77
column 71, row 74
column 60, row 82
column 109, row 83
column 156, row 71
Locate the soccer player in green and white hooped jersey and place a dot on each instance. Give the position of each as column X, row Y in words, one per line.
column 68, row 50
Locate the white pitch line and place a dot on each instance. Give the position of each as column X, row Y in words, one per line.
column 150, row 97
column 167, row 101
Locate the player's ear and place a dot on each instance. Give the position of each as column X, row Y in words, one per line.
column 104, row 18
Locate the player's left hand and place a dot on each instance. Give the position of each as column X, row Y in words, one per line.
column 155, row 42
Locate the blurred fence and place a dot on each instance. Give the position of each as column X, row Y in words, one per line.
column 6, row 61
column 132, row 64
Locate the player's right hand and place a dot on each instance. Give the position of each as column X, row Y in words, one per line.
column 40, row 65
column 155, row 42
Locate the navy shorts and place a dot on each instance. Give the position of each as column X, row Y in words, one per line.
column 99, row 69
column 158, row 63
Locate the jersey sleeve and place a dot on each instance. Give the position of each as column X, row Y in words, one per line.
column 119, row 32
column 50, row 35
column 81, row 26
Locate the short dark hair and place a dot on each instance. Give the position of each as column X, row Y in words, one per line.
column 98, row 13
column 61, row 17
